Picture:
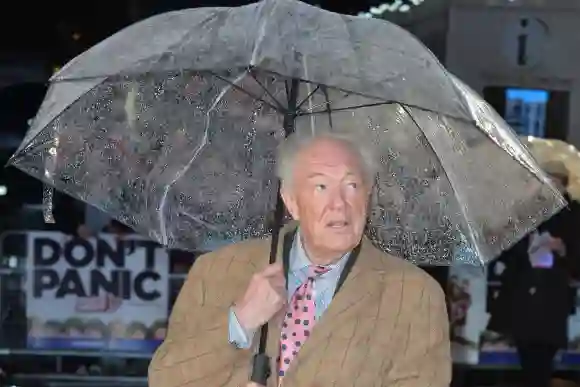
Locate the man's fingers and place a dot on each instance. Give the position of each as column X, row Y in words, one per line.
column 273, row 270
column 277, row 279
column 279, row 287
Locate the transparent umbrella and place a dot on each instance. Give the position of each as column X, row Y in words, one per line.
column 171, row 126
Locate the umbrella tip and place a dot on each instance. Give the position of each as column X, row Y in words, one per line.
column 10, row 162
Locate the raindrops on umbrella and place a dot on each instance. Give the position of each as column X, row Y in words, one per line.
column 171, row 126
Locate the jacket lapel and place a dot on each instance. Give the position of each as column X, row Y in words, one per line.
column 342, row 316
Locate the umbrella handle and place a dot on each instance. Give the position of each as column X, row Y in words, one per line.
column 261, row 369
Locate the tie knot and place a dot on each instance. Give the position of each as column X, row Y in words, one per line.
column 317, row 270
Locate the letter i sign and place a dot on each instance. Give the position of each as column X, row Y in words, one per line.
column 526, row 42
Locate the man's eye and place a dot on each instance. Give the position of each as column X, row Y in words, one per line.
column 320, row 187
column 353, row 185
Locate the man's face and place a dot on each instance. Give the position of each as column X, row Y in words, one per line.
column 160, row 333
column 138, row 335
column 117, row 329
column 328, row 196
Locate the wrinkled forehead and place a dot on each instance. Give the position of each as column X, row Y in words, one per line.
column 330, row 155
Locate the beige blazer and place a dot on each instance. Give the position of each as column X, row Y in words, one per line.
column 387, row 326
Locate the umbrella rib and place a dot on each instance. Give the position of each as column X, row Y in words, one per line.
column 325, row 111
column 328, row 109
column 391, row 102
column 247, row 92
column 280, row 106
column 307, row 97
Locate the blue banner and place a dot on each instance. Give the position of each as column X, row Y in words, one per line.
column 124, row 345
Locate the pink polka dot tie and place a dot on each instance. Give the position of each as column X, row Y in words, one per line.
column 299, row 320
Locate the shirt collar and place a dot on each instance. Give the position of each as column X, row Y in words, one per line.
column 299, row 259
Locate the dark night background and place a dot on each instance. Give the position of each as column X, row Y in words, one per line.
column 46, row 28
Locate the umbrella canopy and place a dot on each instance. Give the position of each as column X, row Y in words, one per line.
column 172, row 124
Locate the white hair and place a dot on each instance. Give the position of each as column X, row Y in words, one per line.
column 291, row 147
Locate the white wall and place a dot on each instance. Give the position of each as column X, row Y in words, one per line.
column 482, row 41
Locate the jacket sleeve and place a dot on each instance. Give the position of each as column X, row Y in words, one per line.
column 196, row 351
column 425, row 359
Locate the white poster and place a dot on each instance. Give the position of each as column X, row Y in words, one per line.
column 101, row 293
column 466, row 295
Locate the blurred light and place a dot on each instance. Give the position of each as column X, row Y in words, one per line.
column 384, row 7
column 76, row 36
column 391, row 6
column 12, row 262
column 55, row 69
column 3, row 190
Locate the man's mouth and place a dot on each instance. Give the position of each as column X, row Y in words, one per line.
column 337, row 224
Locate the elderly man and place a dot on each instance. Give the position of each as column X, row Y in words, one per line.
column 340, row 312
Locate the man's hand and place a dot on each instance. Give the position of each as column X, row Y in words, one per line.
column 265, row 296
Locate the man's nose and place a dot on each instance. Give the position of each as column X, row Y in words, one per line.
column 337, row 200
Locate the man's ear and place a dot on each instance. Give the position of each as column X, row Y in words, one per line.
column 289, row 199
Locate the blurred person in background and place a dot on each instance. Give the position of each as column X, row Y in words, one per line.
column 535, row 297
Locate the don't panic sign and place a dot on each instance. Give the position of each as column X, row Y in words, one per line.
column 89, row 268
